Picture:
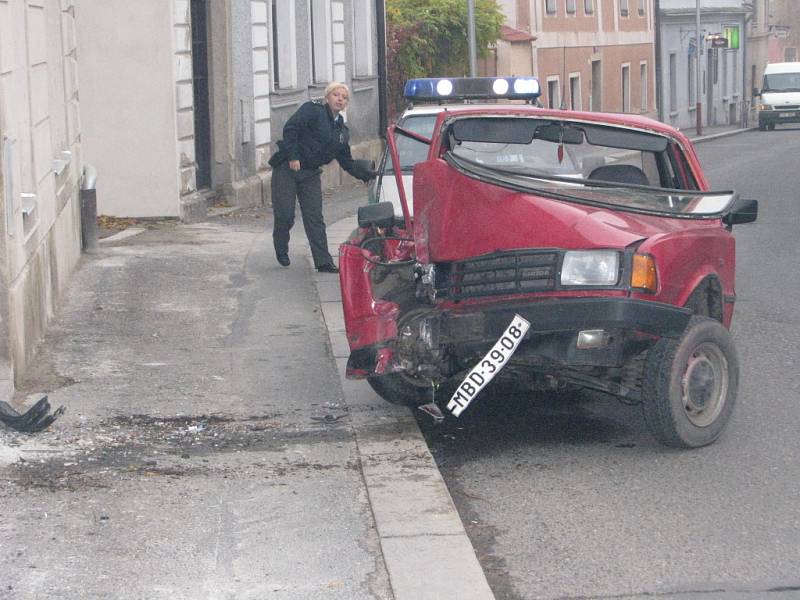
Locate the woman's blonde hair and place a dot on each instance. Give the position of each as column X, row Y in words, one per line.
column 335, row 85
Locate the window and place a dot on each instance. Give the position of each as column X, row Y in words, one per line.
column 641, row 8
column 321, row 43
column 552, row 93
column 550, row 6
column 284, row 62
column 673, row 82
column 596, row 99
column 575, row 92
column 623, row 8
column 643, row 89
column 626, row 88
column 362, row 38
column 571, row 7
column 588, row 6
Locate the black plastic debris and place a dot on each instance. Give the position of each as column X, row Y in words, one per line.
column 36, row 418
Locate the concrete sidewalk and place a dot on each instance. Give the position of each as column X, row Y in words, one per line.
column 210, row 447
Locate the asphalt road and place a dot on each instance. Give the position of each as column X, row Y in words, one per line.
column 571, row 497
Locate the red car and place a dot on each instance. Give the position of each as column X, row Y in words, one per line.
column 554, row 248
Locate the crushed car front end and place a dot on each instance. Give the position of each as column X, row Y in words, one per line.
column 558, row 247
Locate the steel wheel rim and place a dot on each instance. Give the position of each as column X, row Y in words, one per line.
column 704, row 385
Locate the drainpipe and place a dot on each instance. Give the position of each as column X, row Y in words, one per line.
column 89, row 209
column 380, row 17
column 659, row 83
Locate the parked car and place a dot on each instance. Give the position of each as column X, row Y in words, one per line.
column 780, row 95
column 558, row 249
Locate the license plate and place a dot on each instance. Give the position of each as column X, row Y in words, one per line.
column 489, row 366
column 785, row 115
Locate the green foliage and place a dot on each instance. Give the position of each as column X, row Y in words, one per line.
column 430, row 38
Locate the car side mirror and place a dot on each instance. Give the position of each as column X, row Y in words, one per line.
column 745, row 210
column 379, row 215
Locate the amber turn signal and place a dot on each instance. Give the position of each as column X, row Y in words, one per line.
column 644, row 276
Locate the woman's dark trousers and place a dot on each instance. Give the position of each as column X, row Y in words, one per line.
column 305, row 185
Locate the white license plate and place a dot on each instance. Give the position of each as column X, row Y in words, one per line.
column 785, row 115
column 489, row 366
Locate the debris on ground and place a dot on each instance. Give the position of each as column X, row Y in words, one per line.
column 35, row 419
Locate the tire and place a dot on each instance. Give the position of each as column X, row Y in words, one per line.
column 397, row 389
column 690, row 385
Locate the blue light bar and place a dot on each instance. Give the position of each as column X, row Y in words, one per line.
column 440, row 89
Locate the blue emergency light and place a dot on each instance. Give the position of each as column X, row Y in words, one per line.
column 441, row 89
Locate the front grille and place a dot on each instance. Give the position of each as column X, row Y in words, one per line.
column 517, row 272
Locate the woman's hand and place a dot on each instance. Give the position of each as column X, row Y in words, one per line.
column 294, row 165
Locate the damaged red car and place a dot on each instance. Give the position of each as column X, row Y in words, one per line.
column 555, row 249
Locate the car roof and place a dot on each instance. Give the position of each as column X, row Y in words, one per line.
column 619, row 119
column 786, row 67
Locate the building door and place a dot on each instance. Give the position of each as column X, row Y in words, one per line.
column 202, row 120
column 597, row 87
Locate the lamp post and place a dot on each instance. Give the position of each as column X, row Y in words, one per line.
column 699, row 104
column 473, row 67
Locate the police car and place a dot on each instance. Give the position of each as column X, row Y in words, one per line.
column 427, row 98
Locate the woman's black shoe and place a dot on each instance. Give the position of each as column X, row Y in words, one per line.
column 283, row 259
column 329, row 268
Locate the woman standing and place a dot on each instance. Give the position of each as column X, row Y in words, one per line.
column 312, row 137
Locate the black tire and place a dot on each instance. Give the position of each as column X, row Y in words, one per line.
column 690, row 385
column 397, row 389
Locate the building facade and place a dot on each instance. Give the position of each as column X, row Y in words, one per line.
column 589, row 54
column 179, row 102
column 773, row 35
column 40, row 172
column 186, row 105
column 722, row 52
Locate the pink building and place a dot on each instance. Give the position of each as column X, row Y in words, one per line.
column 588, row 54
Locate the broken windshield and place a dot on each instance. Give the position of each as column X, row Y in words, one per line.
column 588, row 162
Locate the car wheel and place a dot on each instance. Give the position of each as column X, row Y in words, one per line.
column 690, row 385
column 397, row 389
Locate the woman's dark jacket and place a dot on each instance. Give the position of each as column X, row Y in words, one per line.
column 314, row 137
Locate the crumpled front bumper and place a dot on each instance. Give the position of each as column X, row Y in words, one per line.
column 555, row 325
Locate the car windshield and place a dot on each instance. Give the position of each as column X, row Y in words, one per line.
column 584, row 161
column 413, row 151
column 782, row 82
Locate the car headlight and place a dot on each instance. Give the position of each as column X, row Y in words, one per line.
column 590, row 267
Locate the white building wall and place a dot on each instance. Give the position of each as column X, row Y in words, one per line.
column 184, row 99
column 39, row 172
column 261, row 81
column 129, row 57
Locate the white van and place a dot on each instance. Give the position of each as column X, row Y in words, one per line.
column 780, row 95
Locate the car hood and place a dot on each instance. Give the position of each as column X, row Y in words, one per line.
column 459, row 217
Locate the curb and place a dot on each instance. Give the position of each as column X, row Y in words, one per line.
column 425, row 547
column 721, row 134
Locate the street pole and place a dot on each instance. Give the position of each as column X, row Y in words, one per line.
column 473, row 66
column 699, row 104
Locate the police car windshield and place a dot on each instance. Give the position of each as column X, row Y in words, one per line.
column 412, row 151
